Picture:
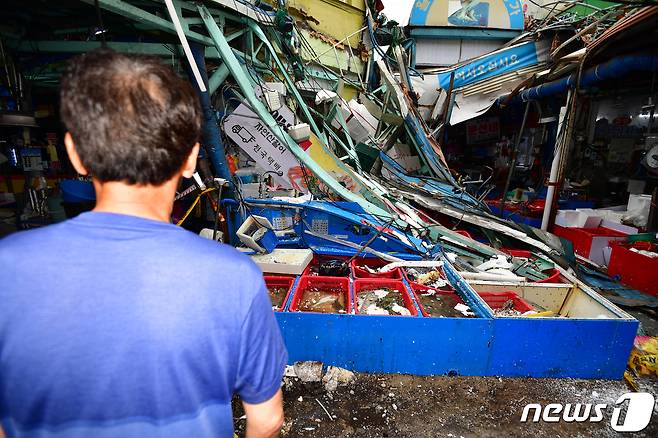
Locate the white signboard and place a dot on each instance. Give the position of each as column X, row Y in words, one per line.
column 253, row 136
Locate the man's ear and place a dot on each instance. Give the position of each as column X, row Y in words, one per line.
column 73, row 154
column 190, row 163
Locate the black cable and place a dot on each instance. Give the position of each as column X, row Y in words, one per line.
column 101, row 26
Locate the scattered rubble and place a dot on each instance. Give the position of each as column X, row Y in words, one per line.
column 464, row 309
column 460, row 406
column 335, row 377
column 309, row 371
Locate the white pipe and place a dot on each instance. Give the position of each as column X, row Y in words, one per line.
column 491, row 277
column 555, row 167
column 412, row 264
column 185, row 44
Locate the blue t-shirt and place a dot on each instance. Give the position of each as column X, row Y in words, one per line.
column 114, row 325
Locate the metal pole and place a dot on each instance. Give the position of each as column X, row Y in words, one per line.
column 186, row 46
column 555, row 167
column 513, row 164
column 212, row 140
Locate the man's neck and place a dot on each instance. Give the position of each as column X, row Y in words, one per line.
column 150, row 202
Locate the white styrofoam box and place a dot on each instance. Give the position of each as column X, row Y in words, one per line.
column 562, row 218
column 273, row 100
column 207, row 233
column 611, row 215
column 584, row 218
column 300, row 132
column 639, row 202
column 291, row 261
column 280, row 87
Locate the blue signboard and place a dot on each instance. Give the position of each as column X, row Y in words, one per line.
column 492, row 14
column 497, row 63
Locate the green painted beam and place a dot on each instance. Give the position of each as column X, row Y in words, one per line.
column 586, row 7
column 217, row 78
column 127, row 10
column 234, row 35
column 154, row 49
column 258, row 32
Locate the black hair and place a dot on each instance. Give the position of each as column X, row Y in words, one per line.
column 132, row 118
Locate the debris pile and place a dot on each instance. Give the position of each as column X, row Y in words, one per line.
column 312, row 371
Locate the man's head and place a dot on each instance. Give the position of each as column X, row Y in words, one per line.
column 130, row 119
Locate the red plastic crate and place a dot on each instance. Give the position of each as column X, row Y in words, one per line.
column 495, row 300
column 553, row 277
column 633, row 269
column 517, row 253
column 280, row 281
column 582, row 238
column 319, row 259
column 357, row 272
column 342, row 283
column 364, row 285
column 418, row 289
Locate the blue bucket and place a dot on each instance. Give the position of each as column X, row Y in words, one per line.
column 74, row 190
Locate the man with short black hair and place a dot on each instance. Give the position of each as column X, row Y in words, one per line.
column 117, row 323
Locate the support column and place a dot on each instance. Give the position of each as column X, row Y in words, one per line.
column 560, row 155
column 211, row 138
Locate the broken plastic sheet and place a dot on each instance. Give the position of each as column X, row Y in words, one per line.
column 480, row 82
column 493, row 64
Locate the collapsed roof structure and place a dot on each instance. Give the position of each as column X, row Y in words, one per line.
column 335, row 143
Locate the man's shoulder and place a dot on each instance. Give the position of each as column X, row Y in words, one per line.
column 215, row 251
column 27, row 239
column 210, row 256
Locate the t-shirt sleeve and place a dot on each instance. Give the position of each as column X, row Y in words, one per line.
column 263, row 355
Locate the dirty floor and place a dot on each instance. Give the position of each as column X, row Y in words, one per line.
column 411, row 406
